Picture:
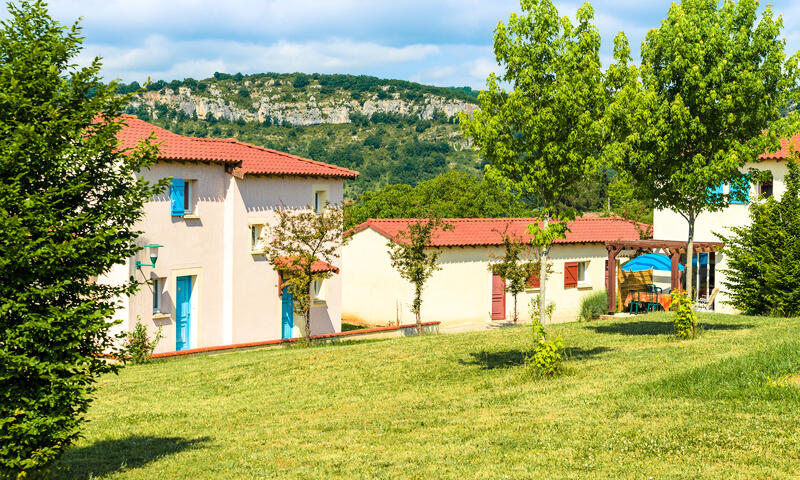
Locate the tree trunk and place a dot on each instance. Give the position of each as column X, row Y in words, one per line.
column 689, row 255
column 308, row 323
column 307, row 312
column 543, row 277
column 418, row 307
column 515, row 308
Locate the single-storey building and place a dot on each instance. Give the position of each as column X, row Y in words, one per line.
column 210, row 284
column 464, row 293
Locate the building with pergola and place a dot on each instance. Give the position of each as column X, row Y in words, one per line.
column 704, row 281
column 671, row 229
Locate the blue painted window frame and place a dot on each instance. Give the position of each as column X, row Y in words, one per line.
column 176, row 197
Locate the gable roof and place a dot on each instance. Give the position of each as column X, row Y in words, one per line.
column 246, row 158
column 783, row 153
column 468, row 232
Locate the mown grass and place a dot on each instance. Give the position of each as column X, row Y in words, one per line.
column 634, row 403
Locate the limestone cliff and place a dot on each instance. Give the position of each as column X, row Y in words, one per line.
column 278, row 102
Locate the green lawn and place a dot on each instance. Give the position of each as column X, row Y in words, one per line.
column 635, row 403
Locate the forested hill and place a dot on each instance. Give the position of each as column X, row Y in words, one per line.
column 392, row 131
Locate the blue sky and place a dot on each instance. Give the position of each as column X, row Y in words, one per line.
column 439, row 42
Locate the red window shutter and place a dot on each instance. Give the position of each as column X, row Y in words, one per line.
column 533, row 280
column 570, row 274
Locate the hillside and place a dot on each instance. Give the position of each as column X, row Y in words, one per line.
column 391, row 131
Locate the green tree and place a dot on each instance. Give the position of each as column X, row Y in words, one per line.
column 69, row 201
column 763, row 256
column 514, row 266
column 626, row 201
column 451, row 195
column 713, row 78
column 542, row 135
column 413, row 258
column 294, row 244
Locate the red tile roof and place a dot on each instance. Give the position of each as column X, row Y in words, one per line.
column 488, row 231
column 248, row 159
column 783, row 153
column 316, row 267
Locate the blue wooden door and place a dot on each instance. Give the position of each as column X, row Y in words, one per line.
column 183, row 309
column 287, row 313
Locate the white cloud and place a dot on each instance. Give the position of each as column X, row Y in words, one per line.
column 160, row 57
column 446, row 42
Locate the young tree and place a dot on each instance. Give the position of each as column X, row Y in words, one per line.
column 69, row 201
column 413, row 258
column 296, row 245
column 514, row 266
column 543, row 134
column 762, row 256
column 712, row 80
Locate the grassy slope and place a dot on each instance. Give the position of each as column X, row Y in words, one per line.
column 635, row 403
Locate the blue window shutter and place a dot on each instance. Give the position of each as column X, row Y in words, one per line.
column 717, row 190
column 176, row 197
column 740, row 195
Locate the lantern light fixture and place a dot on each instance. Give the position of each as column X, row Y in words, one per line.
column 153, row 251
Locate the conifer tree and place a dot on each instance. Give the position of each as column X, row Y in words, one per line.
column 69, row 202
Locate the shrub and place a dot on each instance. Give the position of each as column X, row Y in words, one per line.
column 373, row 141
column 547, row 355
column 138, row 347
column 685, row 316
column 300, row 80
column 593, row 305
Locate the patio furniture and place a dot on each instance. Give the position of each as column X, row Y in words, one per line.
column 633, row 301
column 664, row 301
column 707, row 304
column 652, row 303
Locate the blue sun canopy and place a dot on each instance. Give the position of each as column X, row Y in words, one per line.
column 647, row 261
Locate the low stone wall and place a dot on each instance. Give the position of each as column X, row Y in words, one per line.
column 354, row 335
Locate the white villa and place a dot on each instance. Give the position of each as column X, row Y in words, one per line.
column 465, row 294
column 669, row 225
column 210, row 286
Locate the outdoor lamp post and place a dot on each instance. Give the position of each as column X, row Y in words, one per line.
column 153, row 249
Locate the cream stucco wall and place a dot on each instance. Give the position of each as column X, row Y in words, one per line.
column 670, row 225
column 459, row 293
column 257, row 308
column 234, row 293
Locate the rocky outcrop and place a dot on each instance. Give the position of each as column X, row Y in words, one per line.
column 265, row 104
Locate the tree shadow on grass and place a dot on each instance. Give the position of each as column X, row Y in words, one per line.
column 491, row 360
column 514, row 358
column 109, row 456
column 579, row 353
column 646, row 327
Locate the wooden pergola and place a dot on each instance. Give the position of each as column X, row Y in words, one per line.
column 674, row 247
